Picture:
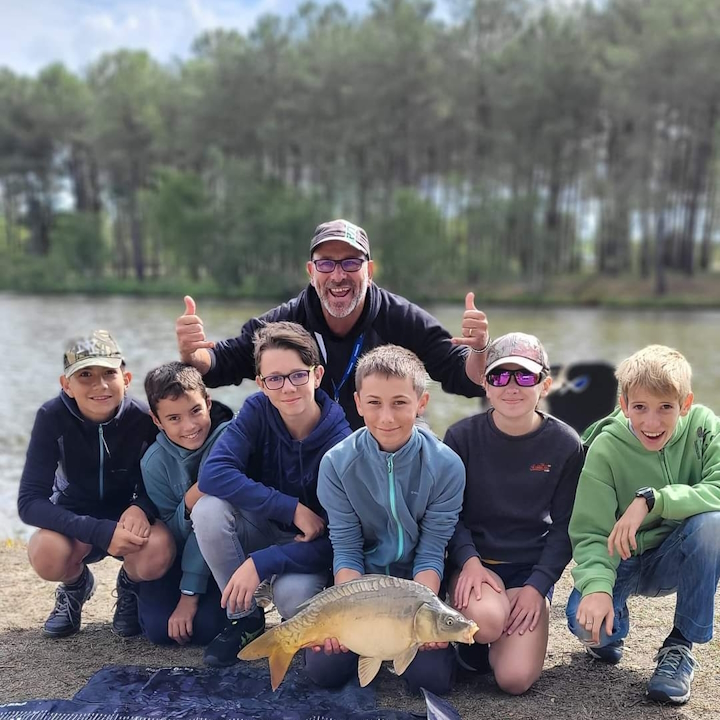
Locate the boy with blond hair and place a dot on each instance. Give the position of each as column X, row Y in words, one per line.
column 646, row 519
column 392, row 492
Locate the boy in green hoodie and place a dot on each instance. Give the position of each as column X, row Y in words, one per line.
column 646, row 519
column 184, row 605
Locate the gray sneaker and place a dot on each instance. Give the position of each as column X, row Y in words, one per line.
column 65, row 617
column 672, row 680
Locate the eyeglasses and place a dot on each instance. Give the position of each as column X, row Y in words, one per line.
column 349, row 265
column 524, row 378
column 296, row 378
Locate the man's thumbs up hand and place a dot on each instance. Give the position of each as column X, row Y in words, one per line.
column 191, row 337
column 474, row 326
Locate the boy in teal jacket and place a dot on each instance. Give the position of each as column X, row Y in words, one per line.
column 392, row 492
column 646, row 519
column 183, row 606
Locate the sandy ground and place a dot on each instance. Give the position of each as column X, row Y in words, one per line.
column 572, row 685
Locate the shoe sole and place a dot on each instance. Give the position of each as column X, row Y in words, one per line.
column 662, row 697
column 602, row 658
column 72, row 631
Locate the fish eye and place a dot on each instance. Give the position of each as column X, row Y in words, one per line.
column 449, row 621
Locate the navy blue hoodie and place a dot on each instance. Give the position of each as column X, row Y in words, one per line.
column 258, row 466
column 386, row 318
column 80, row 476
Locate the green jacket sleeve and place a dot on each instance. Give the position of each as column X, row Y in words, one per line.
column 593, row 518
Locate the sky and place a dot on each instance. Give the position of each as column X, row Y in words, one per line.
column 35, row 33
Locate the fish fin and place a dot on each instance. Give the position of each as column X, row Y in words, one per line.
column 368, row 668
column 262, row 646
column 401, row 662
column 279, row 663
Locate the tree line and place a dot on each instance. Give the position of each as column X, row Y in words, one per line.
column 515, row 140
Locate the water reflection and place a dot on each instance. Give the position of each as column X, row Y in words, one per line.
column 36, row 327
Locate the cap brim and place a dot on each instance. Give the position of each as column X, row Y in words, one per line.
column 341, row 239
column 525, row 363
column 105, row 362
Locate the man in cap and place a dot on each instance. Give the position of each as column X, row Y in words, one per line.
column 348, row 315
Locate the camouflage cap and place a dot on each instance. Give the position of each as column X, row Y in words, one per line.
column 343, row 231
column 519, row 349
column 98, row 348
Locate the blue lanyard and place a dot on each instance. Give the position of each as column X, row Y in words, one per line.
column 349, row 368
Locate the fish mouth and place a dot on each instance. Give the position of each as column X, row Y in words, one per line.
column 470, row 633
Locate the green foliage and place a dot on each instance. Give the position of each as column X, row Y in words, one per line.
column 472, row 150
column 77, row 245
column 409, row 258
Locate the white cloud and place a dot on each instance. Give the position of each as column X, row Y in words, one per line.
column 35, row 33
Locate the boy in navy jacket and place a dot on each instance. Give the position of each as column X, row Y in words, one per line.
column 259, row 518
column 82, row 487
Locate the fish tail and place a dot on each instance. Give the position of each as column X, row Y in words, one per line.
column 274, row 646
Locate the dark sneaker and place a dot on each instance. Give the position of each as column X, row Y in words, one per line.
column 125, row 620
column 64, row 620
column 673, row 675
column 473, row 658
column 223, row 650
column 610, row 654
column 264, row 594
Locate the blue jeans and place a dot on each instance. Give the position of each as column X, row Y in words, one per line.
column 687, row 562
column 226, row 537
column 433, row 670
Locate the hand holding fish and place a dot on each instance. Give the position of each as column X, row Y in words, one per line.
column 526, row 607
column 472, row 576
column 241, row 587
column 309, row 524
column 331, row 646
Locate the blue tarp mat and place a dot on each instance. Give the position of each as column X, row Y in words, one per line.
column 241, row 692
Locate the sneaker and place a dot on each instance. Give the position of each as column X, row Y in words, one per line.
column 473, row 658
column 125, row 619
column 264, row 594
column 223, row 650
column 64, row 620
column 610, row 654
column 673, row 675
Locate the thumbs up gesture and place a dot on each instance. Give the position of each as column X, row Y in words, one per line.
column 191, row 339
column 474, row 326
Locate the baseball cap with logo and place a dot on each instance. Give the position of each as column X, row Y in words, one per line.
column 96, row 349
column 520, row 349
column 343, row 231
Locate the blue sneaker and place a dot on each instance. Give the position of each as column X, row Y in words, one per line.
column 65, row 618
column 610, row 654
column 673, row 675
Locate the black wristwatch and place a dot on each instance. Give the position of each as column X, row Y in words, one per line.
column 648, row 494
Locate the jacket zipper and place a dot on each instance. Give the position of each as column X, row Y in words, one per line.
column 393, row 508
column 101, row 445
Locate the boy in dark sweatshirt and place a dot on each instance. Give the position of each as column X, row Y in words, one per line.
column 82, row 487
column 259, row 518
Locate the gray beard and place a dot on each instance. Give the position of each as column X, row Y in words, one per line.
column 327, row 302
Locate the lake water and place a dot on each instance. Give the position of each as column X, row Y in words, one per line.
column 35, row 329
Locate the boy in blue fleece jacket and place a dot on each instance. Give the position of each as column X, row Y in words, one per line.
column 82, row 487
column 393, row 493
column 260, row 519
column 180, row 607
